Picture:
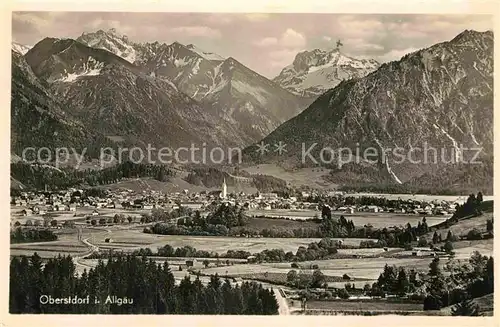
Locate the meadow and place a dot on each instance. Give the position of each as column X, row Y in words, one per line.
column 379, row 305
column 376, row 219
column 365, row 269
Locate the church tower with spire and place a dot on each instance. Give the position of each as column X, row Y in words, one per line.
column 224, row 189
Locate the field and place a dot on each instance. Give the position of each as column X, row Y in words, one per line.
column 262, row 223
column 208, row 243
column 67, row 244
column 311, row 177
column 462, row 227
column 381, row 305
column 464, row 249
column 280, row 278
column 376, row 219
column 485, row 305
column 359, row 269
column 418, row 197
column 78, row 216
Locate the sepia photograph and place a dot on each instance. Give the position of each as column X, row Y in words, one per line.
column 251, row 163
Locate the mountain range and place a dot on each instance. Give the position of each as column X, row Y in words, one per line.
column 231, row 91
column 314, row 72
column 20, row 48
column 118, row 99
column 102, row 88
column 441, row 96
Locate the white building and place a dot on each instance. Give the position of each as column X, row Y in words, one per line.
column 223, row 194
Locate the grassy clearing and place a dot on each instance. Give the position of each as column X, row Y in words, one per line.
column 357, row 305
column 464, row 249
column 280, row 278
column 418, row 197
column 366, row 252
column 388, row 219
column 486, row 304
column 377, row 220
column 208, row 243
column 359, row 269
column 261, row 223
column 48, row 253
column 462, row 227
column 312, row 177
column 363, row 268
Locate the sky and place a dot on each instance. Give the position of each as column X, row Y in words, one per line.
column 263, row 42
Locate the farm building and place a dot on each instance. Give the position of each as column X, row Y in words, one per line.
column 60, row 207
column 251, row 259
column 347, row 277
column 373, row 209
column 108, row 240
column 95, row 213
column 192, row 205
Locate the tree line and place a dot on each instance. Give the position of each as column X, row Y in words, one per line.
column 25, row 235
column 437, row 289
column 231, row 220
column 149, row 288
column 38, row 176
column 323, row 249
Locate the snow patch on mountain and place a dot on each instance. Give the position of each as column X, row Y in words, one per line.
column 257, row 92
column 205, row 55
column 90, row 68
column 21, row 48
column 111, row 41
column 314, row 72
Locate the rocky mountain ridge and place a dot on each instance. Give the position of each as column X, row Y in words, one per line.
column 235, row 93
column 314, row 72
column 441, row 96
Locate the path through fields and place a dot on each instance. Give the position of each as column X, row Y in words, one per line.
column 282, row 303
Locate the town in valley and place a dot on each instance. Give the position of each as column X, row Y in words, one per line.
column 265, row 232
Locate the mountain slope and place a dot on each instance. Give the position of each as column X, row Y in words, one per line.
column 21, row 48
column 235, row 94
column 314, row 72
column 441, row 96
column 116, row 98
column 111, row 41
column 37, row 117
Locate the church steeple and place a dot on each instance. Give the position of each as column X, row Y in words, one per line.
column 224, row 189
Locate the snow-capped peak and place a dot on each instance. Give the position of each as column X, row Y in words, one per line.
column 112, row 41
column 114, row 32
column 205, row 55
column 21, row 48
column 313, row 72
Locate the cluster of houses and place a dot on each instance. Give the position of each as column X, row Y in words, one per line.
column 40, row 203
column 422, row 208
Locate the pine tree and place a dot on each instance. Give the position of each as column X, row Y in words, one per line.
column 479, row 197
column 434, row 269
column 435, row 238
column 489, row 225
column 450, row 237
column 448, row 247
column 402, row 281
